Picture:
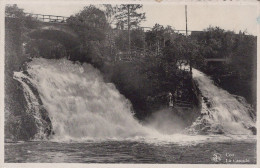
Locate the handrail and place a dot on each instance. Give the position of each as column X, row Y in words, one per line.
column 45, row 15
column 48, row 18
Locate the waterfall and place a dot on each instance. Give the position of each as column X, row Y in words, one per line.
column 80, row 104
column 34, row 106
column 221, row 112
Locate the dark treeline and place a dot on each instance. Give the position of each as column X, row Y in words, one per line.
column 238, row 73
column 144, row 65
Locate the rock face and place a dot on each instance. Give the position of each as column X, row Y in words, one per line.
column 253, row 129
column 19, row 123
column 16, row 122
column 34, row 107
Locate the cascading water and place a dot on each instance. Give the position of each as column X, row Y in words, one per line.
column 80, row 104
column 221, row 111
column 34, row 106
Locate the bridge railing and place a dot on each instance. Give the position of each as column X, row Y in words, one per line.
column 48, row 18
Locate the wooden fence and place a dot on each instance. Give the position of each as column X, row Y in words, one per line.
column 48, row 18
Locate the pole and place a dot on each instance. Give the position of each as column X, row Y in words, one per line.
column 143, row 39
column 186, row 20
column 186, row 17
column 128, row 24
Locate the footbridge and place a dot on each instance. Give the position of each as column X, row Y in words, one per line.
column 54, row 28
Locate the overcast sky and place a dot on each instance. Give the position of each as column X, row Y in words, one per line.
column 229, row 17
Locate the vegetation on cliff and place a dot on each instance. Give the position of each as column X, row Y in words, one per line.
column 144, row 69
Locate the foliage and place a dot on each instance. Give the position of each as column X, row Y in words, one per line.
column 90, row 23
column 92, row 26
column 13, row 11
column 110, row 13
column 238, row 74
column 147, row 81
column 243, row 57
column 45, row 48
column 21, row 21
column 216, row 42
column 156, row 38
column 128, row 16
column 240, row 49
column 121, row 42
column 137, row 40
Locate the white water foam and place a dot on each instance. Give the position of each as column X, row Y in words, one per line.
column 223, row 112
column 80, row 104
column 83, row 107
column 33, row 106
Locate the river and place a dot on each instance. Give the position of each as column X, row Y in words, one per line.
column 231, row 152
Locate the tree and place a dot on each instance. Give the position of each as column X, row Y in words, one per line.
column 128, row 15
column 91, row 25
column 238, row 74
column 137, row 38
column 153, row 37
column 13, row 11
column 159, row 36
column 121, row 42
column 110, row 12
column 169, row 34
column 156, row 38
column 216, row 42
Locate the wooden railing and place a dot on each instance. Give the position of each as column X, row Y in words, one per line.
column 48, row 18
column 135, row 54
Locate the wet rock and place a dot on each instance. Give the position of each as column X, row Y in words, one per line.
column 219, row 131
column 205, row 99
column 208, row 105
column 205, row 129
column 253, row 129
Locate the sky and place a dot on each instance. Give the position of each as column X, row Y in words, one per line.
column 200, row 16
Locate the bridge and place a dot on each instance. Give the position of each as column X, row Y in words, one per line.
column 54, row 31
column 54, row 28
